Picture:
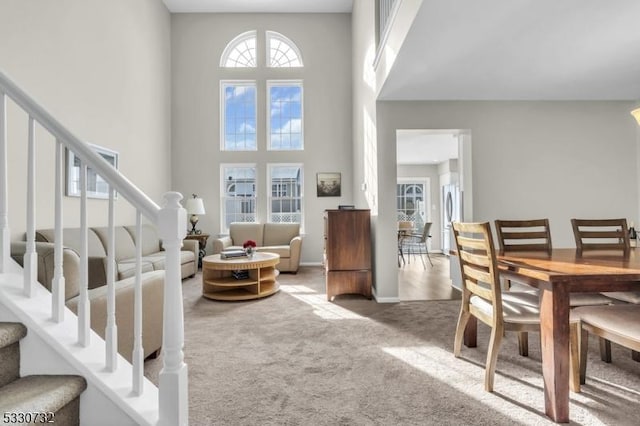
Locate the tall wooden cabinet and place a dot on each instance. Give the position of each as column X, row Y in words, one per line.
column 347, row 252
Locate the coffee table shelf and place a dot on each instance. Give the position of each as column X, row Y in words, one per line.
column 218, row 282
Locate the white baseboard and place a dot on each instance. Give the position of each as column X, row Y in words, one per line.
column 385, row 299
column 310, row 263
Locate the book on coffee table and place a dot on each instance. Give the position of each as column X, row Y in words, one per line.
column 230, row 254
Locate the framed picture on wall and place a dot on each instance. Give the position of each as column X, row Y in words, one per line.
column 328, row 184
column 97, row 187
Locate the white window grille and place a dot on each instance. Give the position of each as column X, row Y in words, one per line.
column 282, row 52
column 240, row 52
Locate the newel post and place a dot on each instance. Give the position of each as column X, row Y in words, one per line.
column 173, row 390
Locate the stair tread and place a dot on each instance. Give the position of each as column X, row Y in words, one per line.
column 11, row 332
column 41, row 393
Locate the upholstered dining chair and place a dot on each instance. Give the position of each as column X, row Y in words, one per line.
column 523, row 235
column 601, row 234
column 482, row 296
column 614, row 323
column 606, row 234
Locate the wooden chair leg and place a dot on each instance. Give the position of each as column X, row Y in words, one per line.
column 605, row 350
column 574, row 358
column 584, row 344
column 463, row 319
column 523, row 343
column 492, row 358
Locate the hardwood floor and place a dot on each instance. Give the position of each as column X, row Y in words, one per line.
column 433, row 283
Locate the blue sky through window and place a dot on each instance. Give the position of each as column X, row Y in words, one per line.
column 240, row 117
column 285, row 117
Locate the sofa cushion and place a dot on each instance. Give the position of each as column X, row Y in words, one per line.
column 71, row 238
column 280, row 234
column 282, row 251
column 127, row 268
column 157, row 259
column 150, row 238
column 125, row 248
column 241, row 232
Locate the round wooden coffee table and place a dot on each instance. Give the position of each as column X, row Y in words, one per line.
column 219, row 282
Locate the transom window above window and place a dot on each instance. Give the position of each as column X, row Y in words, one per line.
column 282, row 52
column 240, row 52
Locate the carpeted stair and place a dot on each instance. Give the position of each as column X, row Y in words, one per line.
column 34, row 399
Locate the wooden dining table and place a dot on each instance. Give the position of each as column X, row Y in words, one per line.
column 556, row 275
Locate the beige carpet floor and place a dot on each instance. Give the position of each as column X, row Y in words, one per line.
column 296, row 359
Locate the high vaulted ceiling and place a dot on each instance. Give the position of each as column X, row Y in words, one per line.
column 520, row 50
column 260, row 6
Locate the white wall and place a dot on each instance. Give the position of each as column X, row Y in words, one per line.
column 538, row 159
column 366, row 154
column 102, row 68
column 325, row 42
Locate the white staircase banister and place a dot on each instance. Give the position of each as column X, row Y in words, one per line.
column 147, row 206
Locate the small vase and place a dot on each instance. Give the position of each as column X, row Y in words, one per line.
column 249, row 251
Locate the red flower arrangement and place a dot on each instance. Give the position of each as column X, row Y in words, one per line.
column 249, row 243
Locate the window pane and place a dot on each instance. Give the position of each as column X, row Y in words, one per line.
column 285, row 131
column 240, row 52
column 239, row 112
column 282, row 51
column 286, row 193
column 410, row 196
column 239, row 196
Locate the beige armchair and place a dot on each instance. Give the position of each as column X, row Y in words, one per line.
column 152, row 293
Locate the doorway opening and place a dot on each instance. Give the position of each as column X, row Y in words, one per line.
column 432, row 168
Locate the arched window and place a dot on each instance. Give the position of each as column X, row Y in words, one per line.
column 282, row 52
column 240, row 52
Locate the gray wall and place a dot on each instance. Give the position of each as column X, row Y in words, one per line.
column 102, row 68
column 325, row 42
column 534, row 159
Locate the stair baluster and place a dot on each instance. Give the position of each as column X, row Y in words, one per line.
column 58, row 284
column 111, row 332
column 84, row 328
column 30, row 256
column 5, row 236
column 138, row 351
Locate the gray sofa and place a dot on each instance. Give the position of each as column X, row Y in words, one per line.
column 152, row 293
column 281, row 238
column 125, row 250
